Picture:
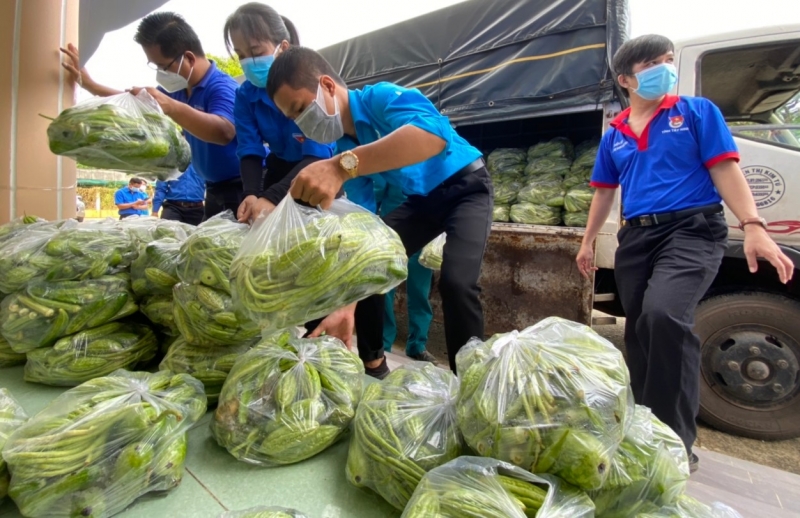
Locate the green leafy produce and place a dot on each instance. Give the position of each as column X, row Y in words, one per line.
column 155, row 271
column 505, row 191
column 433, row 253
column 300, row 264
column 576, row 219
column 500, row 213
column 22, row 256
column 586, row 154
column 210, row 365
column 579, row 198
column 559, row 147
column 554, row 168
column 205, row 316
column 8, row 357
column 122, row 132
column 264, row 512
column 145, row 229
column 649, row 470
column 505, row 159
column 11, row 417
column 92, row 353
column 14, row 227
column 405, row 426
column 532, row 214
column 688, row 507
column 473, row 487
column 550, row 193
column 288, row 399
column 160, row 310
column 101, row 445
column 45, row 311
column 553, row 398
column 577, row 176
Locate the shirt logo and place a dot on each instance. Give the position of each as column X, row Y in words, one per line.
column 676, row 122
column 299, row 137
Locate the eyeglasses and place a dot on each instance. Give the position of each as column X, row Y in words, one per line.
column 155, row 66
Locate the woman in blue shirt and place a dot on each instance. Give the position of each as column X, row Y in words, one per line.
column 256, row 33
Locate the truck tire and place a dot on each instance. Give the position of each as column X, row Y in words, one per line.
column 750, row 371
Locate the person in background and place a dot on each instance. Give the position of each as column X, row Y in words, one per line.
column 194, row 93
column 143, row 188
column 181, row 199
column 130, row 200
column 676, row 161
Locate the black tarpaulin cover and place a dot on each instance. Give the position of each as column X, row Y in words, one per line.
column 487, row 60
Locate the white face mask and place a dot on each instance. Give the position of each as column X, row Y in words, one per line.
column 316, row 124
column 173, row 81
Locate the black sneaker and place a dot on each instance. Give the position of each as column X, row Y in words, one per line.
column 694, row 463
column 424, row 356
column 379, row 372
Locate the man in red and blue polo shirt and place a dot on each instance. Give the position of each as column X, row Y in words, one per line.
column 676, row 162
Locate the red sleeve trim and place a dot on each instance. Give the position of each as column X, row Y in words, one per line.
column 602, row 185
column 730, row 155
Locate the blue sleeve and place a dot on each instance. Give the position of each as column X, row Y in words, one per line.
column 220, row 99
column 360, row 191
column 248, row 136
column 119, row 197
column 713, row 136
column 159, row 196
column 605, row 174
column 314, row 148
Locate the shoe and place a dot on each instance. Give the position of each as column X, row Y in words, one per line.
column 424, row 356
column 379, row 372
column 694, row 463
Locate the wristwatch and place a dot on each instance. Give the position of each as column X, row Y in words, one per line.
column 749, row 221
column 349, row 162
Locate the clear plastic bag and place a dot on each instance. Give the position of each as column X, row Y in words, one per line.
column 160, row 310
column 155, row 271
column 14, row 227
column 483, row 488
column 650, row 469
column 205, row 316
column 688, row 507
column 22, row 256
column 146, row 229
column 506, row 190
column 550, row 193
column 533, row 214
column 503, row 159
column 123, row 132
column 501, row 213
column 579, row 198
column 207, row 254
column 433, row 253
column 45, row 311
column 548, row 168
column 288, row 399
column 99, row 446
column 576, row 219
column 553, row 398
column 8, row 356
column 92, row 353
column 11, row 417
column 586, row 154
column 559, row 147
column 264, row 512
column 404, row 427
column 299, row 264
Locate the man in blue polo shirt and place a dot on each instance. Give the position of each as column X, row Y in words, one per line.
column 195, row 94
column 398, row 132
column 130, row 200
column 181, row 199
column 675, row 161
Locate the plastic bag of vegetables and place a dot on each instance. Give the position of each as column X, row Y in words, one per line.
column 504, row 158
column 9, row 357
column 11, row 417
column 264, row 512
column 210, row 365
column 554, row 168
column 160, row 310
column 92, row 353
column 576, row 219
column 550, row 193
column 99, row 446
column 299, row 264
column 45, row 311
column 559, row 147
column 288, row 399
column 577, row 176
column 145, row 229
column 205, row 316
column 206, row 255
column 586, row 154
column 122, row 133
column 579, row 198
column 688, row 507
column 14, row 227
column 432, row 253
column 155, row 271
column 533, row 214
column 22, row 256
column 500, row 213
column 478, row 487
column 405, row 426
column 649, row 470
column 553, row 398
column 505, row 191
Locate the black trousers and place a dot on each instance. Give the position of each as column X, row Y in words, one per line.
column 662, row 272
column 190, row 215
column 222, row 196
column 461, row 206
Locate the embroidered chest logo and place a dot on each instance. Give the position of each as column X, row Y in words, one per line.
column 299, row 137
column 676, row 122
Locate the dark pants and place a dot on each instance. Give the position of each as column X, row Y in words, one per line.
column 222, row 196
column 462, row 207
column 123, row 216
column 662, row 272
column 190, row 215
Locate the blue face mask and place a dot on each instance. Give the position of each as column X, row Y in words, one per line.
column 656, row 81
column 256, row 69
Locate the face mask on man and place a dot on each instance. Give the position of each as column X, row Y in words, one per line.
column 256, row 69
column 656, row 81
column 316, row 124
column 173, row 81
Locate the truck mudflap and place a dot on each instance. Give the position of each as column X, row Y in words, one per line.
column 529, row 274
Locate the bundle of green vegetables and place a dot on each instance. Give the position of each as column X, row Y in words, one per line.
column 206, row 255
column 559, row 147
column 506, row 161
column 649, row 470
column 264, row 512
column 145, row 229
column 122, row 132
column 553, row 398
column 205, row 316
column 9, row 357
column 92, row 353
column 505, row 191
column 549, row 193
column 45, row 311
column 155, row 271
column 300, row 264
column 11, row 417
column 99, row 446
column 474, row 487
column 586, row 154
column 576, row 219
column 210, row 365
column 288, row 399
column 577, row 176
column 579, row 198
column 533, row 214
column 432, row 254
column 548, row 168
column 160, row 310
column 500, row 213
column 14, row 227
column 688, row 507
column 404, row 427
column 22, row 256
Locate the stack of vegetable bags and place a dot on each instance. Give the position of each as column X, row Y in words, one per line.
column 405, row 426
column 146, row 229
column 553, row 398
column 300, row 264
column 264, row 512
column 99, row 446
column 542, row 196
column 433, row 253
column 688, row 507
column 477, row 487
column 506, row 166
column 581, row 170
column 8, row 356
column 11, row 417
column 22, row 254
column 153, row 275
column 288, row 399
column 576, row 205
column 122, row 132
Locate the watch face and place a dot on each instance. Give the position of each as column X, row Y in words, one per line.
column 349, row 162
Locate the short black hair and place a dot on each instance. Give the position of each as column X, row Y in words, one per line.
column 639, row 50
column 135, row 181
column 170, row 32
column 299, row 67
column 260, row 22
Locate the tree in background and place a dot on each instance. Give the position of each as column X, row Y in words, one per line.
column 229, row 65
